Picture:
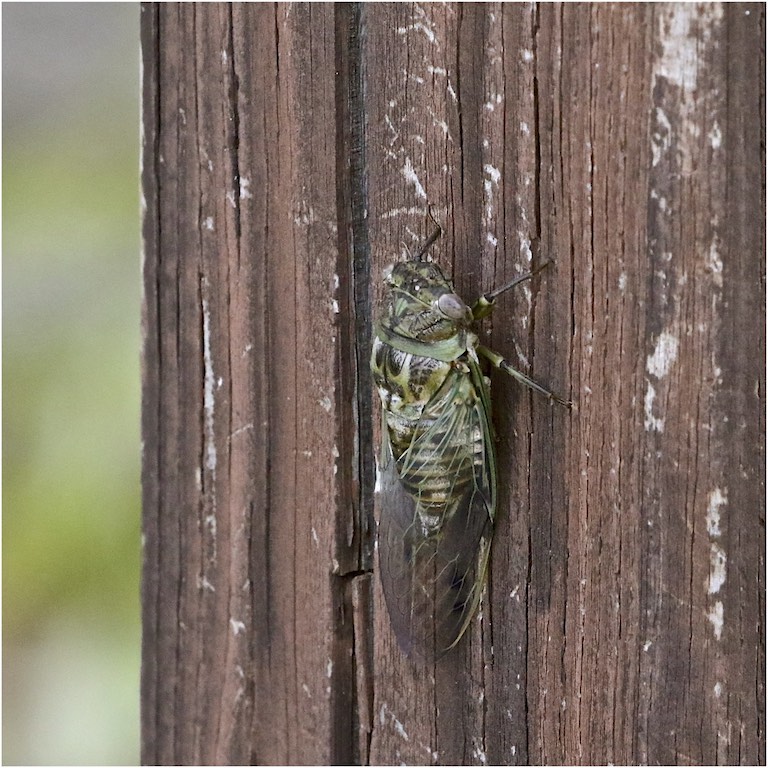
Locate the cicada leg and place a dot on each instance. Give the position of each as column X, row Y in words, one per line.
column 484, row 305
column 497, row 361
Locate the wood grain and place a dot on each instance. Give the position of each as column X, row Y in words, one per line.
column 290, row 152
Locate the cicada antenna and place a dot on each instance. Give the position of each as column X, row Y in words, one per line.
column 432, row 238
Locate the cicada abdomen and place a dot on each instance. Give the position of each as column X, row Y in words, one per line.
column 437, row 465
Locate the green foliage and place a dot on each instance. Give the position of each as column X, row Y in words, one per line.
column 71, row 492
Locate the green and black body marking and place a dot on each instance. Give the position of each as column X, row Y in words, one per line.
column 438, row 465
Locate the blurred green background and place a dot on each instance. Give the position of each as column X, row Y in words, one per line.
column 71, row 443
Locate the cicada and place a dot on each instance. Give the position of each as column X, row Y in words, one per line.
column 438, row 475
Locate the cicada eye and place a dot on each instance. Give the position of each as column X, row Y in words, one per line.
column 386, row 273
column 450, row 305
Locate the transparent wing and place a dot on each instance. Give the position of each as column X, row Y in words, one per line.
column 437, row 518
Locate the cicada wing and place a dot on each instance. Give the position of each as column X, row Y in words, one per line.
column 433, row 561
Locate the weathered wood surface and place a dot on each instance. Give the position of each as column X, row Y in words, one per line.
column 290, row 153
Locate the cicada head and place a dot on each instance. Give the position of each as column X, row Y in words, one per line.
column 422, row 302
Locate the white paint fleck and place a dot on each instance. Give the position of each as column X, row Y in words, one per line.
column 326, row 403
column 717, row 568
column 665, row 353
column 493, row 172
column 651, row 421
column 209, row 382
column 715, row 617
column 478, row 752
column 231, row 198
column 436, row 70
column 422, row 24
column 714, row 262
column 377, row 485
column 245, row 192
column 622, row 281
column 682, row 29
column 451, row 92
column 715, row 136
column 237, row 626
column 305, row 688
column 646, row 645
column 329, row 668
column 525, row 247
column 306, row 214
column 661, row 140
column 410, row 176
column 315, row 540
column 395, row 212
column 208, row 223
column 492, row 239
column 527, row 55
column 395, row 722
column 716, row 500
column 335, row 306
column 203, row 583
column 524, row 128
column 718, row 689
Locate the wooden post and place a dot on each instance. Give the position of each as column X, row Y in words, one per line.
column 289, row 154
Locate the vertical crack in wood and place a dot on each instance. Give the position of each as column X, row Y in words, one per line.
column 353, row 686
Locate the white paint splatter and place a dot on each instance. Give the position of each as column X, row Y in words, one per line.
column 622, row 281
column 422, row 24
column 665, row 353
column 237, row 626
column 209, row 383
column 714, row 262
column 410, row 176
column 494, row 173
column 208, row 223
column 396, row 212
column 716, row 500
column 326, row 403
column 383, row 712
column 718, row 689
column 524, row 128
column 525, row 247
column 651, row 421
column 717, row 568
column 245, row 192
column 715, row 136
column 715, row 617
column 527, row 55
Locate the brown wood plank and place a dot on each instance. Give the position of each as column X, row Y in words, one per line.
column 247, row 599
column 290, row 153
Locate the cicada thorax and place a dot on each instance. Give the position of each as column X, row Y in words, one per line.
column 437, row 488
